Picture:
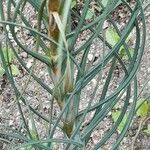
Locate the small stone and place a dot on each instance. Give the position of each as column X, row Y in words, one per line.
column 90, row 57
column 109, row 114
column 7, row 28
column 94, row 81
column 28, row 33
column 24, row 55
column 42, row 27
column 29, row 64
column 16, row 30
column 105, row 25
column 131, row 100
column 148, row 70
column 1, row 97
column 11, row 122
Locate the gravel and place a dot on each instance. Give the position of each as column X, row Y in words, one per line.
column 40, row 100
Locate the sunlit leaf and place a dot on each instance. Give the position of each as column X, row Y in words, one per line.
column 89, row 14
column 148, row 129
column 143, row 109
column 115, row 116
column 8, row 55
column 15, row 70
column 124, row 55
column 73, row 4
column 112, row 38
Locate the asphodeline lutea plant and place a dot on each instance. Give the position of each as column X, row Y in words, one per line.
column 65, row 55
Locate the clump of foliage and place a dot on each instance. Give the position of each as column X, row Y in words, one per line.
column 69, row 76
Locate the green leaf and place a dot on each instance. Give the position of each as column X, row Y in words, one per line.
column 143, row 109
column 73, row 4
column 115, row 116
column 8, row 55
column 89, row 14
column 148, row 129
column 111, row 36
column 123, row 54
column 2, row 71
column 15, row 70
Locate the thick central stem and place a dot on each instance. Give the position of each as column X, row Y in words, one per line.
column 54, row 7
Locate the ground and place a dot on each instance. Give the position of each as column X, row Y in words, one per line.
column 39, row 99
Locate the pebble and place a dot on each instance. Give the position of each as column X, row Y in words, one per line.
column 30, row 62
column 11, row 122
column 149, row 83
column 148, row 70
column 24, row 55
column 105, row 25
column 90, row 57
column 131, row 100
column 94, row 81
